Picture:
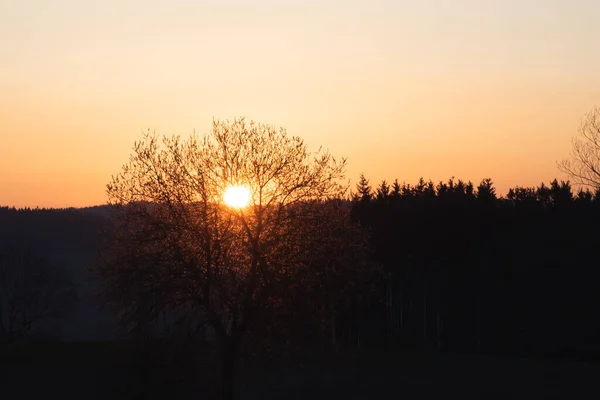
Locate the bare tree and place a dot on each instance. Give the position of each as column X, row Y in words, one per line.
column 177, row 245
column 32, row 289
column 584, row 164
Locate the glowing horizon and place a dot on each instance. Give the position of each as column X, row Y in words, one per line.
column 433, row 89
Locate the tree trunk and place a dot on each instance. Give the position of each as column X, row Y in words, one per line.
column 228, row 355
column 401, row 322
column 333, row 323
column 390, row 311
column 425, row 317
column 439, row 330
column 477, row 325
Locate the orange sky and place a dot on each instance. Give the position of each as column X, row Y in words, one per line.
column 464, row 88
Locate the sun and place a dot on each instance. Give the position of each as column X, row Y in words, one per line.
column 237, row 196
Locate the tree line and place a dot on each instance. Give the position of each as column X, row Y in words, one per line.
column 462, row 269
column 467, row 271
column 445, row 266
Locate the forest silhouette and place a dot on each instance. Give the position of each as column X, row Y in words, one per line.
column 166, row 282
column 464, row 271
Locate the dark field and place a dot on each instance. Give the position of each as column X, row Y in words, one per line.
column 107, row 371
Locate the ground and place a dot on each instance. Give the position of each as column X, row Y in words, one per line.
column 101, row 371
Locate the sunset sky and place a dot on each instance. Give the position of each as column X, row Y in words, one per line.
column 432, row 88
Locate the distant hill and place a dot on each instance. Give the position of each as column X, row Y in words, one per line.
column 68, row 237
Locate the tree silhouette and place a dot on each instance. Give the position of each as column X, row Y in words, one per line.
column 584, row 196
column 383, row 191
column 486, row 190
column 584, row 164
column 363, row 189
column 177, row 246
column 560, row 193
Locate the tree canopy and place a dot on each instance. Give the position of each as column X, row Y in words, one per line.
column 584, row 164
column 178, row 248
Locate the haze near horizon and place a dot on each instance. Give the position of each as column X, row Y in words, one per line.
column 431, row 89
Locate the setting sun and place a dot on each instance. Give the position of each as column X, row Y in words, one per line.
column 237, row 196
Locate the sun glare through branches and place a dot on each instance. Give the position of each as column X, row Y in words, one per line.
column 237, row 196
